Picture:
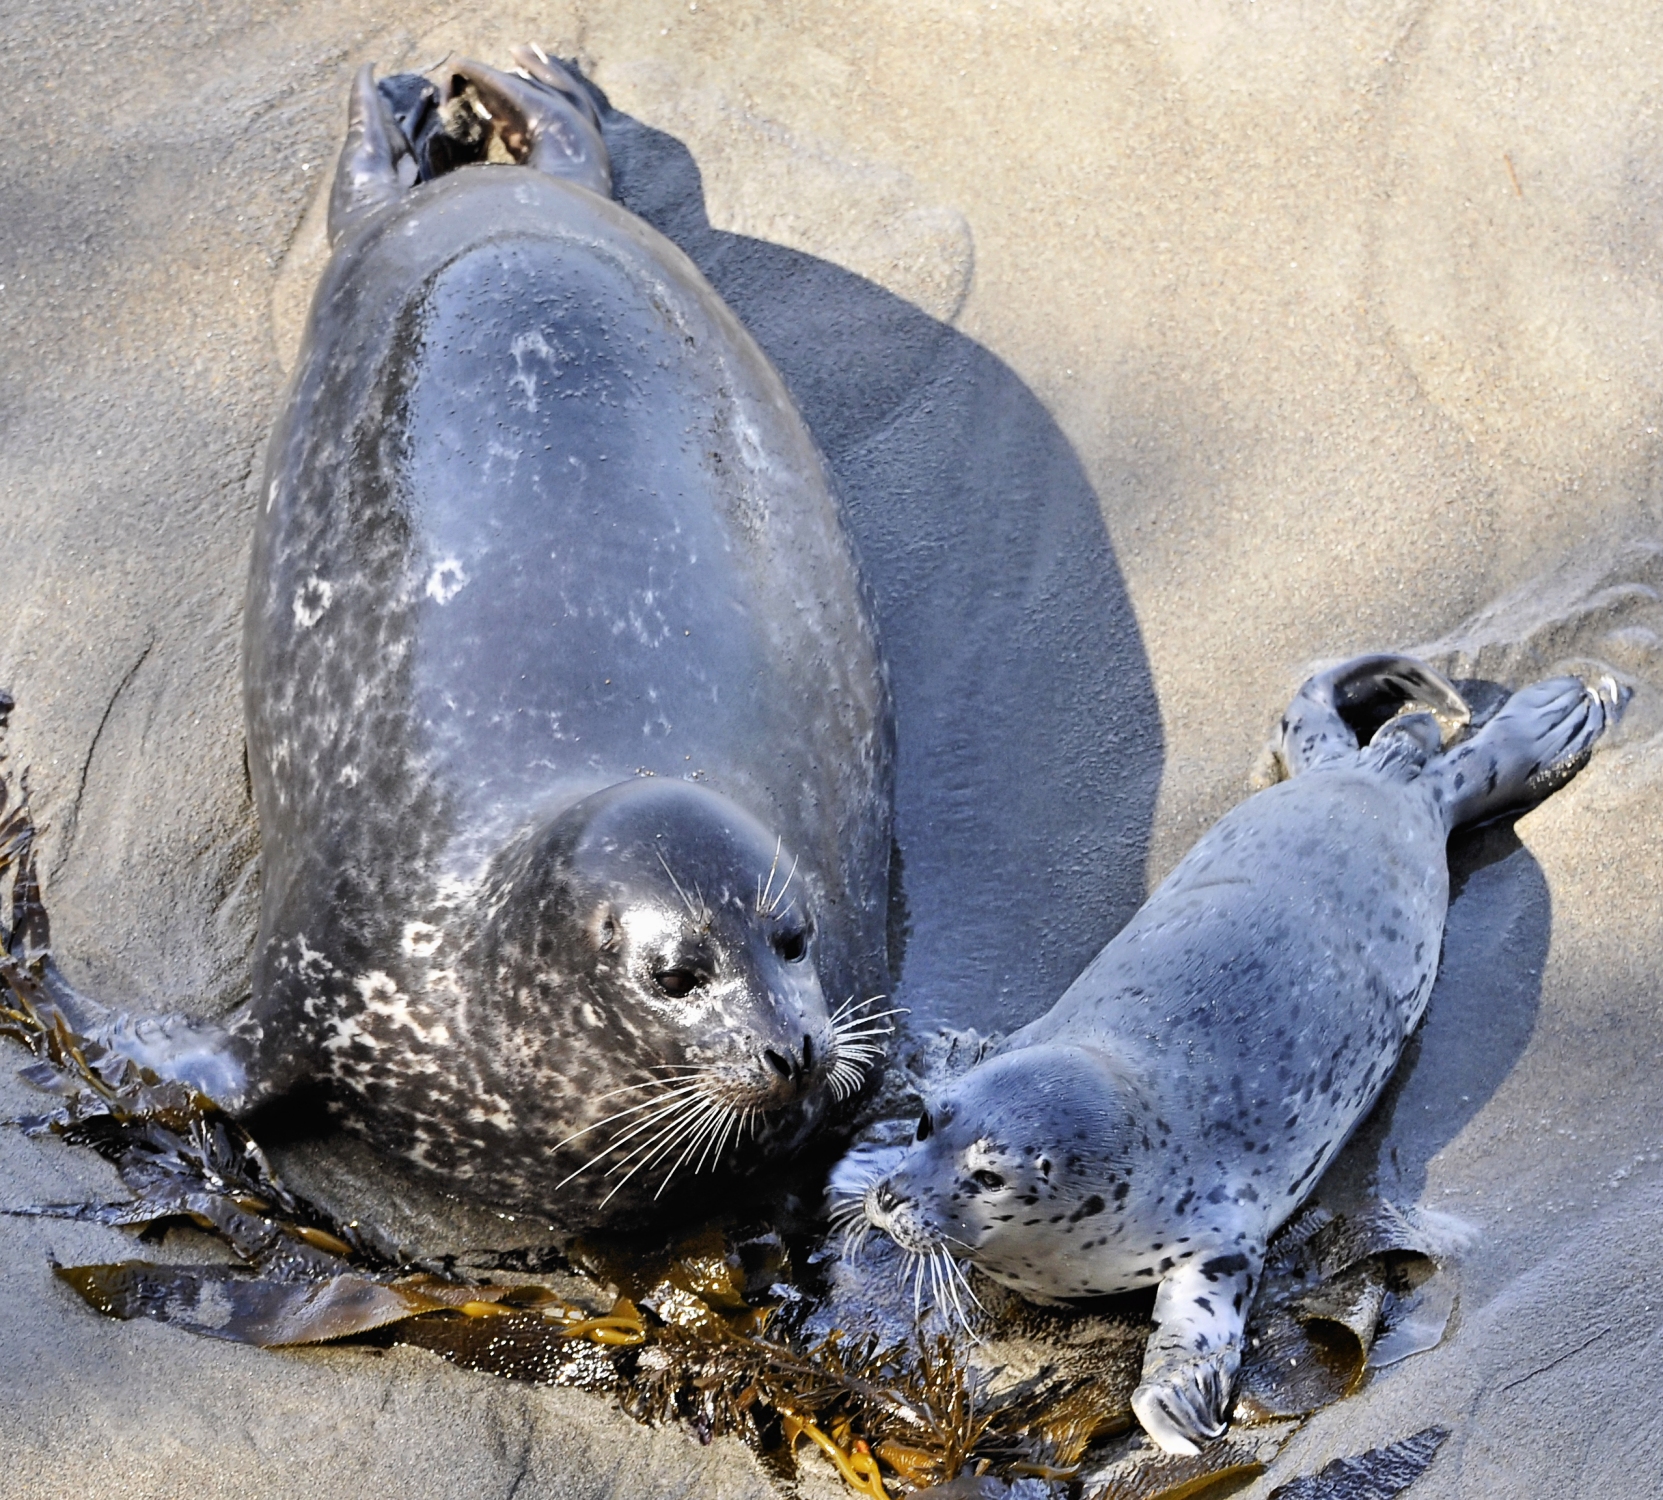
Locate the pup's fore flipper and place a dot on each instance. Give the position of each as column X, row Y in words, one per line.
column 1189, row 1369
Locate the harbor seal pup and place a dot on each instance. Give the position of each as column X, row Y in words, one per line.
column 568, row 730
column 1184, row 1095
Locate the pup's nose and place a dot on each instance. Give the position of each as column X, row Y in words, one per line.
column 885, row 1198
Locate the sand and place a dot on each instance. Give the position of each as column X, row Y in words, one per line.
column 1161, row 351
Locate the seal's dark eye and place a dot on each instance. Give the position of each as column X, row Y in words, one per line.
column 609, row 932
column 678, row 982
column 992, row 1181
column 924, row 1126
column 791, row 946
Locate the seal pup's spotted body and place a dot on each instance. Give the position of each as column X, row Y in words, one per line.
column 569, row 735
column 1178, row 1103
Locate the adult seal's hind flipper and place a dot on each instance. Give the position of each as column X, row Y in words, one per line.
column 569, row 734
column 1185, row 1094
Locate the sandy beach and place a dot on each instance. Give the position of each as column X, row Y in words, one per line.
column 1161, row 352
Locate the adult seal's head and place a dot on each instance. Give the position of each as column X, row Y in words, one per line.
column 661, row 928
column 568, row 730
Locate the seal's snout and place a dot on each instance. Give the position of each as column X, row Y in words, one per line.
column 790, row 1071
column 791, row 1065
column 900, row 1217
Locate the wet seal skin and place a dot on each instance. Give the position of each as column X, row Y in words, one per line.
column 1184, row 1095
column 569, row 733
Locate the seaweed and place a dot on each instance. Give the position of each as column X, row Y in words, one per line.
column 1379, row 1474
column 724, row 1331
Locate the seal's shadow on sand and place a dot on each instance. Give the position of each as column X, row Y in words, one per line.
column 1030, row 744
column 1477, row 1026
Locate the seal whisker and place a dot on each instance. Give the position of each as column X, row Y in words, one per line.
column 964, row 1281
column 662, row 1144
column 851, row 1033
column 708, row 1122
column 713, row 1133
column 700, row 913
column 762, row 891
column 702, row 1140
column 685, row 1088
column 651, row 1083
column 663, row 1110
column 718, row 1145
column 852, row 1009
column 790, row 876
column 857, row 1034
column 670, row 1121
column 860, row 1017
column 952, row 1276
column 946, row 1298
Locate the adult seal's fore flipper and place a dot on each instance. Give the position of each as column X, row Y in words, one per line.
column 568, row 730
column 1183, row 1096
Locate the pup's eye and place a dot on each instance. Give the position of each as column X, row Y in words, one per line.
column 992, row 1181
column 677, row 983
column 609, row 931
column 923, row 1127
column 792, row 946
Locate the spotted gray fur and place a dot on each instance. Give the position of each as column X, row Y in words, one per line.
column 561, row 688
column 1185, row 1094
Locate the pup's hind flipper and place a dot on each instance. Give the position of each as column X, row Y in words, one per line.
column 1337, row 708
column 1542, row 737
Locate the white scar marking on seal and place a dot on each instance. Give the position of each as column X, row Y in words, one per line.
column 525, row 378
column 382, row 997
column 312, row 964
column 311, row 599
column 422, row 938
column 349, row 776
column 447, row 580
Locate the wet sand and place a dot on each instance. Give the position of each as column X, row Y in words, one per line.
column 1161, row 353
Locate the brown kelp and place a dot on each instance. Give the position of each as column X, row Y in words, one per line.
column 724, row 1330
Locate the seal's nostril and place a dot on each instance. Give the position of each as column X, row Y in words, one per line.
column 778, row 1063
column 808, row 1054
column 886, row 1198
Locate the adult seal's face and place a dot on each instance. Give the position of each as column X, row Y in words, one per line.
column 1024, row 1166
column 661, row 930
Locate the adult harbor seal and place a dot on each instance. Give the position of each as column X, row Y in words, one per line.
column 1184, row 1095
column 568, row 731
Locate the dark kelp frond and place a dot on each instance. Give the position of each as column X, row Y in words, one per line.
column 1379, row 1474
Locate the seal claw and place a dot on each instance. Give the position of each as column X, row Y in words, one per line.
column 1186, row 1406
